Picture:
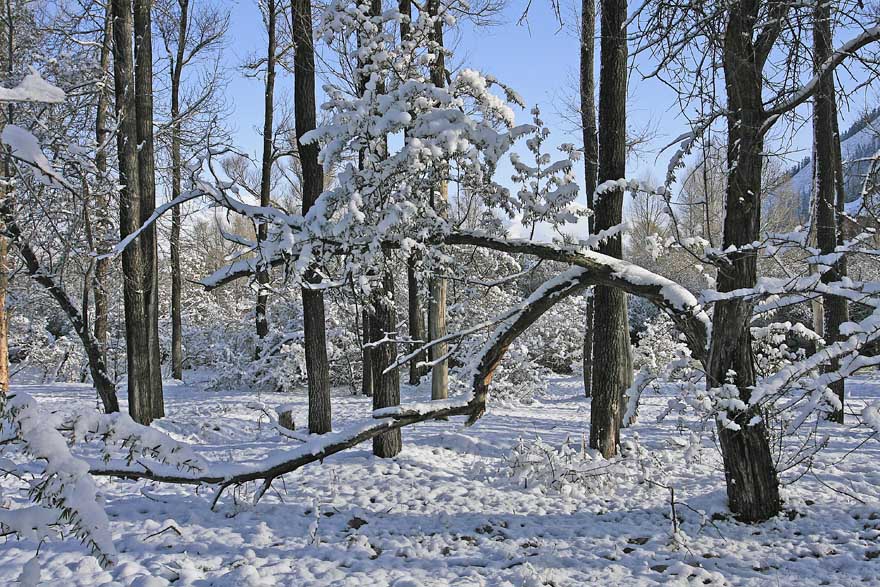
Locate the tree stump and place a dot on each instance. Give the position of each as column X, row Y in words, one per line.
column 285, row 417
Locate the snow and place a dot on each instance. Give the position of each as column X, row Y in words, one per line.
column 33, row 88
column 26, row 147
column 455, row 508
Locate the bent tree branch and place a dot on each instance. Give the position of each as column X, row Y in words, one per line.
column 97, row 366
column 482, row 369
column 669, row 296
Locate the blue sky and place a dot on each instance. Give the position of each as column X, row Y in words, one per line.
column 538, row 59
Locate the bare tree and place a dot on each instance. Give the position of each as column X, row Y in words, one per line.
column 187, row 32
column 612, row 360
column 315, row 328
column 440, row 201
column 133, row 85
column 591, row 156
column 271, row 15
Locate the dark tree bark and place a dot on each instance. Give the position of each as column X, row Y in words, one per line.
column 826, row 149
column 101, row 276
column 752, row 483
column 262, row 322
column 143, row 82
column 612, row 362
column 386, row 386
column 317, row 367
column 591, row 157
column 415, row 322
column 134, row 264
column 440, row 202
column 176, row 171
column 366, row 352
column 414, row 306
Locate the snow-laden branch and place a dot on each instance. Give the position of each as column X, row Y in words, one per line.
column 66, row 490
column 483, row 366
column 33, row 88
column 827, row 68
column 281, row 462
column 669, row 296
column 157, row 213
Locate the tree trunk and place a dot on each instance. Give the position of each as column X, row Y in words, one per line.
column 134, row 267
column 4, row 318
column 366, row 352
column 440, row 202
column 386, row 386
column 591, row 158
column 828, row 204
column 315, row 327
column 414, row 307
column 6, row 202
column 416, row 327
column 176, row 172
column 842, row 269
column 101, row 276
column 752, row 484
column 612, row 361
column 143, row 82
column 262, row 322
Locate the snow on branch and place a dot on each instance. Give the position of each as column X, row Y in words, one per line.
column 281, row 462
column 26, row 148
column 846, row 50
column 65, row 490
column 33, row 88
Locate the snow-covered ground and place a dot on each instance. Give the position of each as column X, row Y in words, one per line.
column 448, row 512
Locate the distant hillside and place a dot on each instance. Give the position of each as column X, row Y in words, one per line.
column 860, row 141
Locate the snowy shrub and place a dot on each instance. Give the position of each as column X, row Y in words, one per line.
column 36, row 449
column 574, row 470
column 659, row 345
column 776, row 345
column 518, row 378
column 34, row 348
column 556, row 340
column 661, row 357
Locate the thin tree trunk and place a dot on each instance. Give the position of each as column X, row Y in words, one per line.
column 414, row 307
column 437, row 285
column 6, row 201
column 366, row 352
column 102, row 227
column 752, row 483
column 97, row 366
column 841, row 304
column 143, row 81
column 386, row 386
column 612, row 362
column 262, row 321
column 416, row 326
column 591, row 158
column 176, row 172
column 315, row 327
column 4, row 317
